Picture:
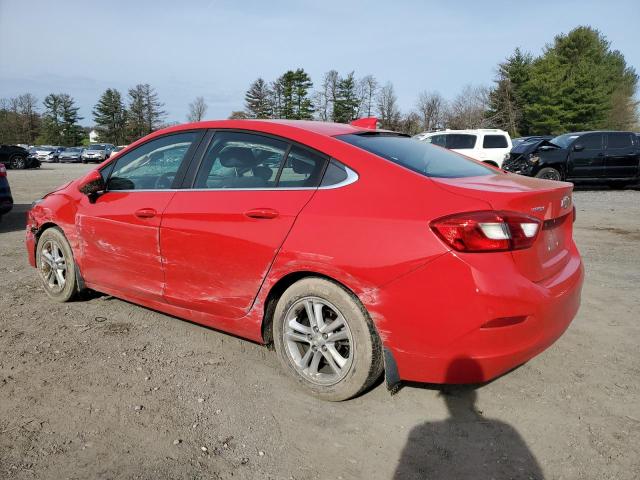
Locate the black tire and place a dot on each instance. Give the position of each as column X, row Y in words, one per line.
column 492, row 163
column 18, row 162
column 549, row 173
column 53, row 236
column 618, row 185
column 365, row 363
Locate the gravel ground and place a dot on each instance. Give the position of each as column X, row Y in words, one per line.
column 102, row 388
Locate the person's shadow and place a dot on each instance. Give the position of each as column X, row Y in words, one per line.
column 467, row 445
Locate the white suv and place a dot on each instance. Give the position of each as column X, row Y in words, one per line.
column 486, row 144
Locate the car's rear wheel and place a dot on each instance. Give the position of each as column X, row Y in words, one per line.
column 18, row 162
column 325, row 339
column 549, row 173
column 56, row 265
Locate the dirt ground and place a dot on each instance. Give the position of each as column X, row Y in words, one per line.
column 105, row 389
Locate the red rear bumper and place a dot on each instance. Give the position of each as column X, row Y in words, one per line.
column 433, row 320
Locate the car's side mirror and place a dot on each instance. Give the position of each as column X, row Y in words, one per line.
column 578, row 147
column 92, row 185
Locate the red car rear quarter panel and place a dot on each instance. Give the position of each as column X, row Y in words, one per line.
column 368, row 233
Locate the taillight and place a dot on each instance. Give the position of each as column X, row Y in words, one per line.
column 3, row 170
column 487, row 231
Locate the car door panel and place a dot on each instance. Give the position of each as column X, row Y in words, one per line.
column 590, row 161
column 120, row 228
column 120, row 248
column 219, row 238
column 622, row 156
column 217, row 246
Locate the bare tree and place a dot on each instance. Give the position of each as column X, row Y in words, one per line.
column 387, row 104
column 197, row 110
column 325, row 98
column 468, row 109
column 368, row 88
column 431, row 108
column 411, row 123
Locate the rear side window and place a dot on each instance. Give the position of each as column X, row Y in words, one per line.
column 460, row 141
column 335, row 174
column 421, row 157
column 241, row 160
column 495, row 141
column 619, row 140
column 303, row 168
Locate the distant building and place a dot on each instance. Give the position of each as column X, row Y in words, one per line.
column 93, row 136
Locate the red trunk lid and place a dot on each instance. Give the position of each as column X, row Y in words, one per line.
column 547, row 200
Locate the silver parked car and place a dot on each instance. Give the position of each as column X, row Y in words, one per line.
column 46, row 153
column 97, row 152
column 71, row 154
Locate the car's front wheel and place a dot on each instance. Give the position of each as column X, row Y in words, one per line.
column 325, row 339
column 18, row 162
column 56, row 265
column 549, row 173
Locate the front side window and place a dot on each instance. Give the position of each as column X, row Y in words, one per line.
column 153, row 165
column 495, row 141
column 460, row 141
column 591, row 142
column 421, row 157
column 241, row 160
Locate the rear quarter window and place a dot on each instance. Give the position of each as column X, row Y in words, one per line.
column 421, row 157
column 495, row 141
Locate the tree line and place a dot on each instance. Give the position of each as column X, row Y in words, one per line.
column 577, row 83
column 117, row 120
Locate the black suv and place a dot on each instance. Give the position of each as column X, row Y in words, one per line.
column 607, row 157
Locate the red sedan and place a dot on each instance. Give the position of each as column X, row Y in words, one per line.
column 354, row 250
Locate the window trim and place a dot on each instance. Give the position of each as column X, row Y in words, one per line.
column 193, row 161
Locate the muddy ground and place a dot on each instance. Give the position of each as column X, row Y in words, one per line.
column 105, row 389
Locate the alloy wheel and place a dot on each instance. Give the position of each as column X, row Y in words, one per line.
column 53, row 266
column 318, row 341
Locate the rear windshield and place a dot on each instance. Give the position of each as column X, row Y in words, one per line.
column 421, row 157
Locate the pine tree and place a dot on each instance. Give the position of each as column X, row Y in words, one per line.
column 507, row 99
column 144, row 113
column 576, row 84
column 109, row 115
column 346, row 103
column 52, row 120
column 292, row 95
column 72, row 132
column 257, row 100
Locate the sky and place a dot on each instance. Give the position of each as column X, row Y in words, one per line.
column 216, row 48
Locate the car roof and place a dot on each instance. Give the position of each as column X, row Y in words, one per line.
column 595, row 131
column 322, row 128
column 469, row 130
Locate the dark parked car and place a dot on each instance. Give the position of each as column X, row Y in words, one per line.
column 71, row 155
column 533, row 138
column 16, row 157
column 607, row 157
column 6, row 200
